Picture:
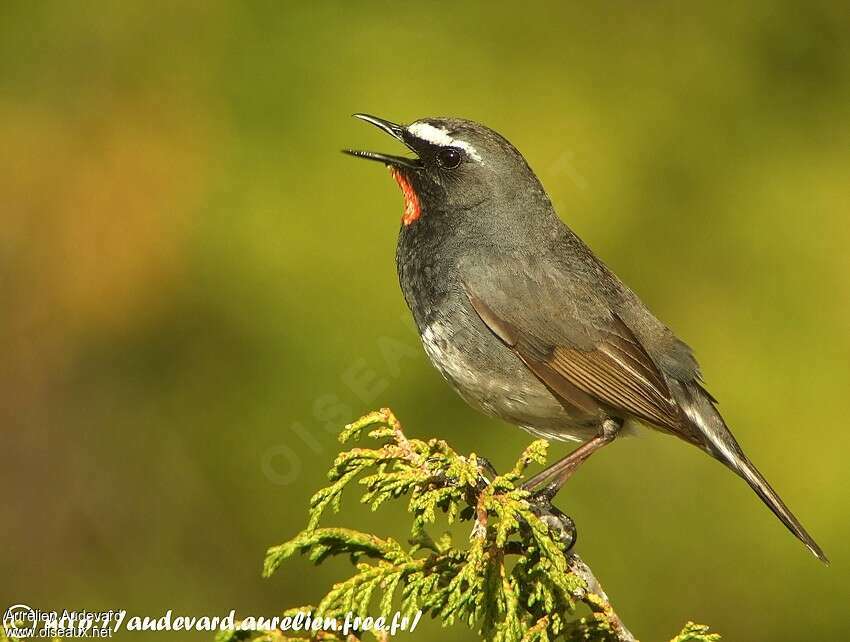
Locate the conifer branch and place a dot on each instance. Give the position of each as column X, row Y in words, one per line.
column 514, row 580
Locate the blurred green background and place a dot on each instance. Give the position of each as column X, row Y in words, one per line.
column 199, row 289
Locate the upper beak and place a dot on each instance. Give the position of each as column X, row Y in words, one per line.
column 394, row 130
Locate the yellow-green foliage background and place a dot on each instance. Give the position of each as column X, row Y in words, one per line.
column 198, row 289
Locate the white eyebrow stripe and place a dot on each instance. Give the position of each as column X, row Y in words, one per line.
column 439, row 136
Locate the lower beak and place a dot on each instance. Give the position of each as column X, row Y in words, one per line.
column 394, row 130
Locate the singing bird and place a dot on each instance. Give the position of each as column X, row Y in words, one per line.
column 525, row 322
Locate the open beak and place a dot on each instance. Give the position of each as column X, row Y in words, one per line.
column 397, row 132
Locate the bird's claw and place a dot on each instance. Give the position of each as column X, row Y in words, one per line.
column 486, row 472
column 559, row 523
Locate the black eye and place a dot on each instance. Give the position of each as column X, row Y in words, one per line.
column 449, row 157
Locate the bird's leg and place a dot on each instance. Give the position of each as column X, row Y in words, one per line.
column 548, row 482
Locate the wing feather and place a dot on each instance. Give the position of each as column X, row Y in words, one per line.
column 615, row 371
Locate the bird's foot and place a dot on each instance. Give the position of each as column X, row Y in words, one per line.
column 560, row 524
column 486, row 472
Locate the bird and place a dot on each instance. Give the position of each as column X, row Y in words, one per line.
column 526, row 323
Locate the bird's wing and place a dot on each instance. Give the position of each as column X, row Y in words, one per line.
column 572, row 340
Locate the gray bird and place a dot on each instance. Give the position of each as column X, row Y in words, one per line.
column 526, row 323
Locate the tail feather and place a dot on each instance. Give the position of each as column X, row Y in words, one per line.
column 719, row 442
column 745, row 468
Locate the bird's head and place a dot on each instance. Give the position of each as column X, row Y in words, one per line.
column 459, row 166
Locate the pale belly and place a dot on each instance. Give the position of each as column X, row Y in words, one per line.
column 492, row 379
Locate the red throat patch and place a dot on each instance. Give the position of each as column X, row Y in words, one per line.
column 412, row 210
